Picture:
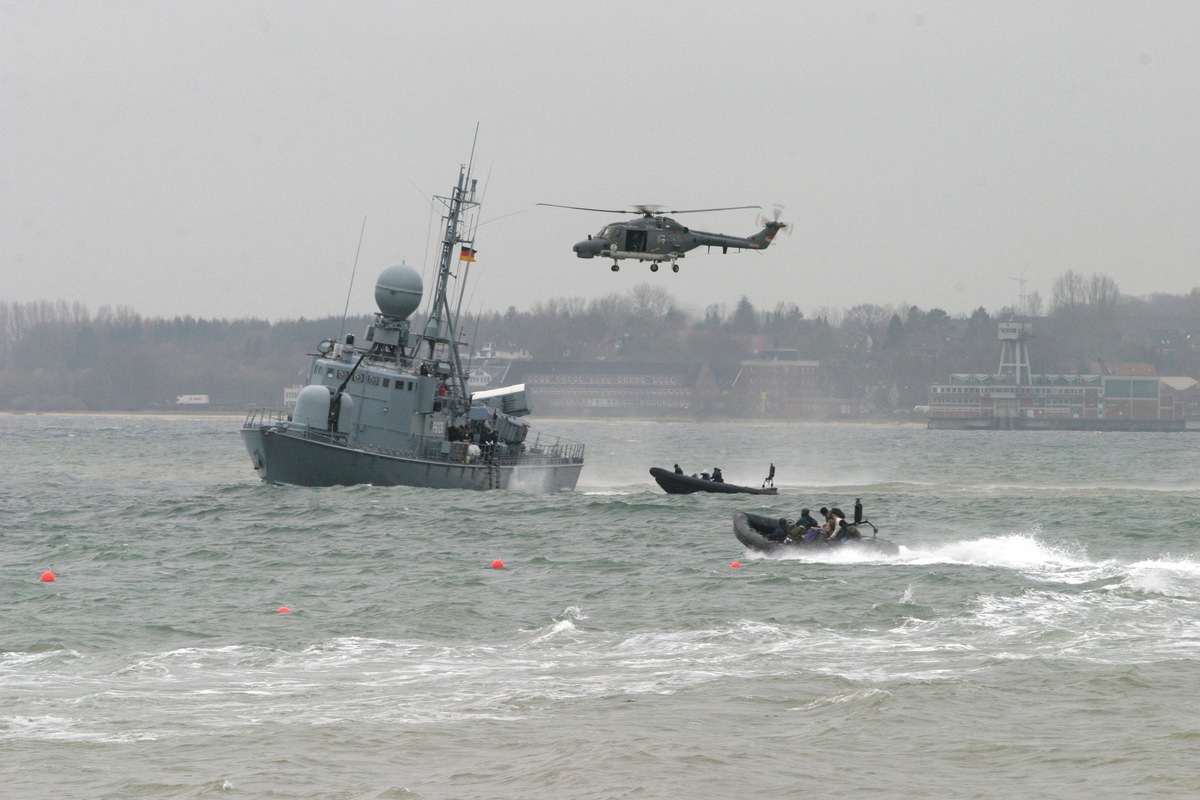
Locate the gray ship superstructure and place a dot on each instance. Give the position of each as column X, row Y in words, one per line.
column 395, row 410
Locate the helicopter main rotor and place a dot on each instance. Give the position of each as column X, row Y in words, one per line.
column 647, row 210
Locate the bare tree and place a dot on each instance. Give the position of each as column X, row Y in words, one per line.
column 1102, row 293
column 649, row 300
column 1033, row 304
column 1070, row 291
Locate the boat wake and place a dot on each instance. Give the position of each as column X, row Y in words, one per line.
column 1016, row 551
column 1034, row 558
column 1062, row 563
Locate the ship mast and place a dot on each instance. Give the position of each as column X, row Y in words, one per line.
column 461, row 201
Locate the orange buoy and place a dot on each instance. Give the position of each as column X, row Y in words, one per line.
column 47, row 577
column 284, row 610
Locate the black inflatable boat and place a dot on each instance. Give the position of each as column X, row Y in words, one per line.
column 754, row 530
column 674, row 483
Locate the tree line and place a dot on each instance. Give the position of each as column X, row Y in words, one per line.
column 59, row 356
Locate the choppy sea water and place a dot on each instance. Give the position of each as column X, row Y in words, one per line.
column 1037, row 636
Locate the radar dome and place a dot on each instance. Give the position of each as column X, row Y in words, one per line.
column 398, row 291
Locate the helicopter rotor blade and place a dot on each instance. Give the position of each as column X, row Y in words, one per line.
column 647, row 210
column 583, row 208
column 701, row 210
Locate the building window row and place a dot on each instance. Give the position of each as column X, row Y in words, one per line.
column 604, row 380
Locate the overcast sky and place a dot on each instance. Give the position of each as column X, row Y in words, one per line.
column 219, row 159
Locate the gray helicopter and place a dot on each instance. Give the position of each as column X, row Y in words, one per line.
column 657, row 238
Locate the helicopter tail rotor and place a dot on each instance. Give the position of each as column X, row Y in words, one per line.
column 770, row 226
column 773, row 222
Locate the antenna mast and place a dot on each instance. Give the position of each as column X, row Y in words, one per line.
column 353, row 271
column 461, row 200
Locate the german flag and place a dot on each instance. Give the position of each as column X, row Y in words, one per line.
column 467, row 254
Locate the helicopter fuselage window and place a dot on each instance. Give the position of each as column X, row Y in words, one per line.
column 635, row 241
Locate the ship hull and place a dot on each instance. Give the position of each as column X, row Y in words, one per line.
column 281, row 457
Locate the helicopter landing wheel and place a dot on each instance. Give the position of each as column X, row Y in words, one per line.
column 654, row 267
column 615, row 267
column 674, row 268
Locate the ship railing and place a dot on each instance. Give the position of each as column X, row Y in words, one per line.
column 282, row 420
column 553, row 448
column 265, row 417
column 431, row 449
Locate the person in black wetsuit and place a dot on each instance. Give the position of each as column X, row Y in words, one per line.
column 716, row 475
column 780, row 532
column 799, row 530
column 807, row 519
column 857, row 510
column 678, row 471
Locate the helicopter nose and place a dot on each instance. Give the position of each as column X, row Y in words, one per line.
column 590, row 248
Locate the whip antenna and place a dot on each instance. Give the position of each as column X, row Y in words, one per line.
column 346, row 310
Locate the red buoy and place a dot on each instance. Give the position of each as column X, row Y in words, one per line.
column 497, row 564
column 284, row 610
column 736, row 565
column 47, row 577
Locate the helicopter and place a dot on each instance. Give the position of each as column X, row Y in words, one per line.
column 657, row 238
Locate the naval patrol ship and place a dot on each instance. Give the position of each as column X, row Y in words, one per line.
column 394, row 409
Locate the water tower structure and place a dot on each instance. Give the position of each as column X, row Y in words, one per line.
column 1014, row 351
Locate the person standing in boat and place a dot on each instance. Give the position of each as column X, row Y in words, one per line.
column 858, row 510
column 716, row 475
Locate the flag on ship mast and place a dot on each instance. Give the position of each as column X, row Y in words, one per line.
column 467, row 254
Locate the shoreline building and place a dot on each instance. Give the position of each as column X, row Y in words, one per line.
column 774, row 384
column 1117, row 398
column 600, row 388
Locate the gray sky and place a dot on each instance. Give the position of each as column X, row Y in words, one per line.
column 218, row 158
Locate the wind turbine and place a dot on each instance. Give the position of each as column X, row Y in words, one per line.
column 1021, row 296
